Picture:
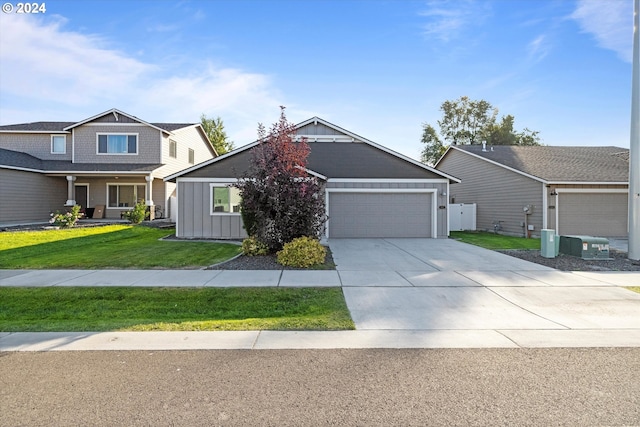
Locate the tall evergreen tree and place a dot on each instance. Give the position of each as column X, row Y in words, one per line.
column 214, row 128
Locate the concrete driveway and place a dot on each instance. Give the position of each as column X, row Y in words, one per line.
column 429, row 284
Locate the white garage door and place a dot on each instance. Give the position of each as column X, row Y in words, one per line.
column 380, row 214
column 593, row 214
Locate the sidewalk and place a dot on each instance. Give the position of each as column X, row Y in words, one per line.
column 391, row 309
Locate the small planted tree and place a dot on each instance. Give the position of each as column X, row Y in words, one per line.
column 280, row 199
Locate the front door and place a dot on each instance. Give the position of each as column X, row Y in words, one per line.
column 82, row 195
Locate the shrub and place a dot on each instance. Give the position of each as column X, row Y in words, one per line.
column 252, row 246
column 66, row 219
column 302, row 252
column 137, row 214
column 280, row 200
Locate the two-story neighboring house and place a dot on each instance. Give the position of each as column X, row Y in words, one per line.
column 105, row 164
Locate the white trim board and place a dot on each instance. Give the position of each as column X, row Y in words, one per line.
column 389, row 180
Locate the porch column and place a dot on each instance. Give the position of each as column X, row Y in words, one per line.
column 71, row 191
column 149, row 179
column 149, row 201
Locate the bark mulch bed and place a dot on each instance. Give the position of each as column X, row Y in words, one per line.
column 268, row 262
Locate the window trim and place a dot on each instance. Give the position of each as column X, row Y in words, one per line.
column 64, row 146
column 174, row 144
column 211, row 201
column 98, row 134
column 121, row 184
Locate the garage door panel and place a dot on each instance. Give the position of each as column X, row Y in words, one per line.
column 594, row 214
column 379, row 214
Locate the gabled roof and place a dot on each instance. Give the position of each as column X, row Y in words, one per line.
column 556, row 164
column 16, row 160
column 65, row 127
column 336, row 154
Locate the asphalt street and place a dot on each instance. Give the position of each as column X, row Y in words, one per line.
column 366, row 387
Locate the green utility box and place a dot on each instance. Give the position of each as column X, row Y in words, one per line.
column 585, row 247
column 548, row 243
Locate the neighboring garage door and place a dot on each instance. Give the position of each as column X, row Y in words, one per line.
column 380, row 214
column 593, row 214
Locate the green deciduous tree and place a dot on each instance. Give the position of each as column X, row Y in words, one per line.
column 214, row 128
column 433, row 146
column 466, row 121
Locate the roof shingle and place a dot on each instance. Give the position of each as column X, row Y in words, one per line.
column 560, row 164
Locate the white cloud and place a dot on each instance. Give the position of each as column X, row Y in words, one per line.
column 538, row 48
column 48, row 73
column 449, row 20
column 610, row 22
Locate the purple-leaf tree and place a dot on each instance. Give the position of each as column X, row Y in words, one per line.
column 280, row 199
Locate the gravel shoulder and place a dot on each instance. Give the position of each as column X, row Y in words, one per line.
column 618, row 262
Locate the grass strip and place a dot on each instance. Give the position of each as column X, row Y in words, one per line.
column 71, row 309
column 495, row 241
column 634, row 289
column 113, row 246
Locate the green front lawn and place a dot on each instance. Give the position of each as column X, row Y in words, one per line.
column 172, row 309
column 634, row 289
column 495, row 241
column 112, row 246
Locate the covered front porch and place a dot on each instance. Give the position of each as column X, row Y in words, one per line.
column 110, row 196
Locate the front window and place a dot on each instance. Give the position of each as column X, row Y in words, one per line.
column 125, row 195
column 117, row 144
column 192, row 156
column 173, row 148
column 225, row 200
column 58, row 144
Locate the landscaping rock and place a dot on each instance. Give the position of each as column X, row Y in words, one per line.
column 619, row 261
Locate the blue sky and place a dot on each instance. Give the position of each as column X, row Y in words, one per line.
column 377, row 68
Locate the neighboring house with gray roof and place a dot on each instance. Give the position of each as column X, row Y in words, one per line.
column 112, row 160
column 574, row 190
column 370, row 190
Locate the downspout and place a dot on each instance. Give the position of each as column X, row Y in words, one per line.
column 545, row 206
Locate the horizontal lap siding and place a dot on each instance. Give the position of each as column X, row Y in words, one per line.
column 500, row 194
column 195, row 219
column 27, row 196
column 187, row 138
column 35, row 144
column 149, row 144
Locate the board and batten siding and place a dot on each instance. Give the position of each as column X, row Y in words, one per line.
column 195, row 219
column 500, row 194
column 318, row 129
column 27, row 196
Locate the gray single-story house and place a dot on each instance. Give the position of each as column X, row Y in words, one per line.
column 573, row 190
column 371, row 191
